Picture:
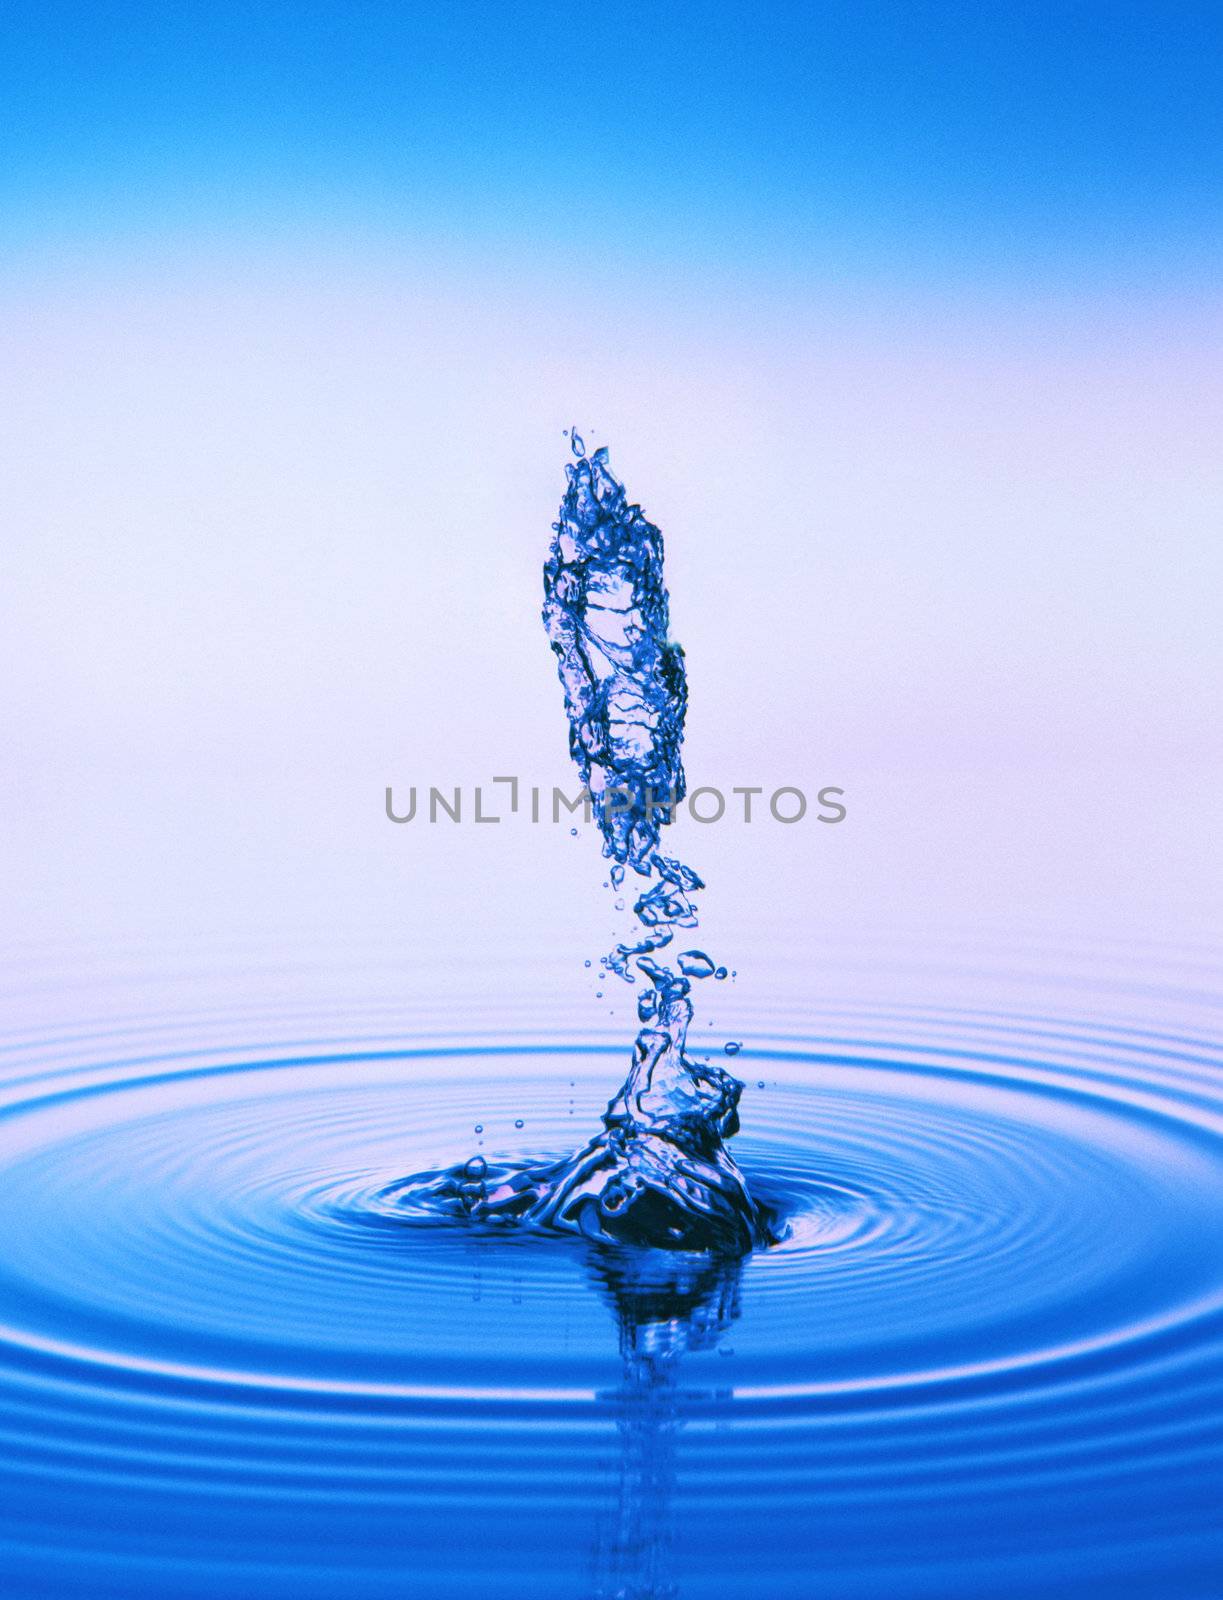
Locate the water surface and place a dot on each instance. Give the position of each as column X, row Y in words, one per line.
column 985, row 1356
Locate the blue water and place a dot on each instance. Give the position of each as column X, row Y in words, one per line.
column 657, row 1174
column 986, row 1356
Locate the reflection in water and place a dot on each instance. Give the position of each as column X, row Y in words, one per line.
column 665, row 1303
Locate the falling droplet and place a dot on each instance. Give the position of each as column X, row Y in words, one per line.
column 479, row 1127
column 518, row 1123
column 732, row 1047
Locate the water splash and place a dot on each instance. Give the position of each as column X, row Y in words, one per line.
column 606, row 613
column 658, row 1173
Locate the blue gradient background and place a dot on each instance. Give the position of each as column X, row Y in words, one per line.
column 902, row 321
column 897, row 141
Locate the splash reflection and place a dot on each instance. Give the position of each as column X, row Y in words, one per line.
column 666, row 1305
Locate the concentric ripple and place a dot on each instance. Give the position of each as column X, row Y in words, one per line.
column 985, row 1358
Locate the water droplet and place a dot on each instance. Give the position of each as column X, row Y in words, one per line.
column 732, row 1047
column 573, row 833
column 720, row 973
column 760, row 1083
column 695, row 963
column 518, row 1122
column 586, row 963
column 479, row 1127
column 477, row 1167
